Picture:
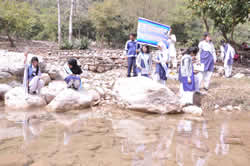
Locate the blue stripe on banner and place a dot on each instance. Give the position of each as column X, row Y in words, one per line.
column 154, row 24
column 154, row 43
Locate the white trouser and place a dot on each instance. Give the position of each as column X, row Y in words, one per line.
column 197, row 82
column 187, row 97
column 36, row 84
column 156, row 78
column 206, row 76
column 174, row 61
column 228, row 70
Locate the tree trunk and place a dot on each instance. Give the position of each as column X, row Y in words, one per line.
column 59, row 24
column 12, row 44
column 70, row 21
column 224, row 34
column 206, row 23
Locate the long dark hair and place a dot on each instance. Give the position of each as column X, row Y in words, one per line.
column 76, row 69
column 148, row 49
column 35, row 59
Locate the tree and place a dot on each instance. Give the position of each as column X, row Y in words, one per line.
column 200, row 8
column 227, row 14
column 70, row 20
column 59, row 24
column 18, row 19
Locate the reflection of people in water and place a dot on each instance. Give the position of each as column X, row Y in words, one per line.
column 188, row 132
column 221, row 147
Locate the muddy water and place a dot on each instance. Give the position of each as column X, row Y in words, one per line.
column 113, row 137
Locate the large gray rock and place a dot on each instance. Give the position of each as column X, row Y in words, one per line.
column 4, row 88
column 144, row 94
column 5, row 75
column 70, row 99
column 46, row 78
column 13, row 62
column 52, row 90
column 16, row 98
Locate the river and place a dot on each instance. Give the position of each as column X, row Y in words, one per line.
column 109, row 136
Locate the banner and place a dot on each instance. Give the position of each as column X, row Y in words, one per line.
column 150, row 33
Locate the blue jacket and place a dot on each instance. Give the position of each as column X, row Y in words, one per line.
column 131, row 47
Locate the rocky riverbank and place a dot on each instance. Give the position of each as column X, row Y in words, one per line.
column 104, row 83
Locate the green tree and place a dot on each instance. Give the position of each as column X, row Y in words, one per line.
column 18, row 19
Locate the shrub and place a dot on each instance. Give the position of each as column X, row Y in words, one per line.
column 66, row 45
column 81, row 44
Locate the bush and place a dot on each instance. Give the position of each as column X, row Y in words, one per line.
column 81, row 44
column 66, row 45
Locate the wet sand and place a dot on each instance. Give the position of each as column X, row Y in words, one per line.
column 108, row 136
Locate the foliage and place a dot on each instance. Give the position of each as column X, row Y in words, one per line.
column 226, row 14
column 66, row 45
column 82, row 44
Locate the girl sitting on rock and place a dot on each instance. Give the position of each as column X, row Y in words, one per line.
column 32, row 76
column 144, row 62
column 71, row 74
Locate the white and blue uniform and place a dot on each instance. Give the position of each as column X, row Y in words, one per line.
column 144, row 63
column 186, row 73
column 172, row 49
column 162, row 60
column 228, row 53
column 207, row 56
column 31, row 80
column 130, row 48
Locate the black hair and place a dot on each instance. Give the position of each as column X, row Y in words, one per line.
column 222, row 42
column 133, row 34
column 190, row 50
column 148, row 49
column 76, row 69
column 206, row 34
column 35, row 59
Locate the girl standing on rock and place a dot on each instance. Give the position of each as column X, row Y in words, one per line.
column 186, row 77
column 71, row 74
column 162, row 60
column 208, row 58
column 228, row 57
column 32, row 76
column 144, row 62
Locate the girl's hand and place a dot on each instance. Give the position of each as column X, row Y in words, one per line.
column 189, row 80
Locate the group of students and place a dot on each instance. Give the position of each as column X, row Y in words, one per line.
column 140, row 59
column 33, row 82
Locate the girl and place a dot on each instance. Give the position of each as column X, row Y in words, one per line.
column 71, row 72
column 186, row 77
column 144, row 61
column 172, row 49
column 228, row 52
column 207, row 56
column 32, row 73
column 162, row 61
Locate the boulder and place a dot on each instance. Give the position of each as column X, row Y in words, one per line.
column 195, row 110
column 52, row 90
column 12, row 62
column 16, row 98
column 70, row 99
column 239, row 76
column 5, row 75
column 3, row 89
column 46, row 78
column 144, row 94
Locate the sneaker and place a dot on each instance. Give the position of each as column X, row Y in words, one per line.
column 76, row 84
column 70, row 84
column 206, row 89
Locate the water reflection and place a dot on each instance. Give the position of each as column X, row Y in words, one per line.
column 191, row 144
column 221, row 147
